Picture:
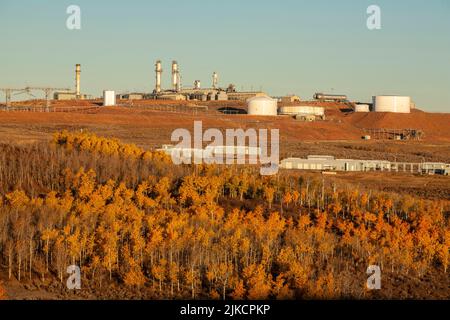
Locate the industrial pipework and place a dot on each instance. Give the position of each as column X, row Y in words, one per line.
column 158, row 70
column 330, row 97
column 77, row 80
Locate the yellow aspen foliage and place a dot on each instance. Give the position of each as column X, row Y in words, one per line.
column 239, row 291
column 281, row 289
column 258, row 283
column 128, row 217
column 17, row 199
column 134, row 276
column 269, row 194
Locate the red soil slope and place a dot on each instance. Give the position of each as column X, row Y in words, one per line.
column 435, row 125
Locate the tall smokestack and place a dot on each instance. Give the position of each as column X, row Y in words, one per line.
column 158, row 70
column 77, row 80
column 175, row 76
column 215, row 80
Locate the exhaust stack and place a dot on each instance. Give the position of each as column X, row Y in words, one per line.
column 175, row 76
column 158, row 70
column 215, row 80
column 77, row 80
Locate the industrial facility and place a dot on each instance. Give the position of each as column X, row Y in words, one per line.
column 329, row 163
column 385, row 103
column 381, row 103
column 210, row 153
column 77, row 95
column 178, row 92
column 305, row 113
column 258, row 103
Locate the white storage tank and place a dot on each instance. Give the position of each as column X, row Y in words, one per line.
column 396, row 104
column 304, row 110
column 362, row 108
column 262, row 106
column 109, row 98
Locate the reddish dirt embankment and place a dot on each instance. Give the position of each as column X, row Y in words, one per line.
column 435, row 125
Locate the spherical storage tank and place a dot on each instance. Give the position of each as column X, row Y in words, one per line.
column 395, row 104
column 262, row 106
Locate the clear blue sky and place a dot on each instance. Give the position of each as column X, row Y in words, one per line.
column 285, row 46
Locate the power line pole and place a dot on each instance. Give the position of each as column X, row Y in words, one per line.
column 8, row 92
column 47, row 92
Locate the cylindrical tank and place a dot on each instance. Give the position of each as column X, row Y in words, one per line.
column 293, row 110
column 396, row 104
column 362, row 108
column 262, row 106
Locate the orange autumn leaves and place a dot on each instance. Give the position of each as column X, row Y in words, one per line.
column 215, row 232
column 3, row 295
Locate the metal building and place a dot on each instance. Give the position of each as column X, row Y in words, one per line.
column 324, row 163
column 109, row 98
column 290, row 99
column 362, row 108
column 303, row 110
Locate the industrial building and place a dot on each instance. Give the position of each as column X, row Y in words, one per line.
column 320, row 163
column 177, row 92
column 302, row 110
column 131, row 96
column 290, row 99
column 362, row 108
column 172, row 96
column 210, row 152
column 109, row 98
column 77, row 95
column 329, row 163
column 244, row 95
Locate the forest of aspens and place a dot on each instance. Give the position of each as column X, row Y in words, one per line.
column 140, row 227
